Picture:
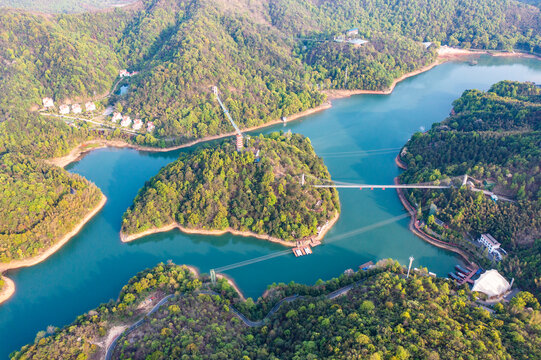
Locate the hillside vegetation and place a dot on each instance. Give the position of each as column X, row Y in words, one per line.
column 217, row 188
column 384, row 316
column 262, row 55
column 40, row 203
column 495, row 137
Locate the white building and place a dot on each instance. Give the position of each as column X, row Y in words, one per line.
column 76, row 109
column 123, row 73
column 48, row 102
column 126, row 121
column 150, row 126
column 357, row 42
column 90, row 106
column 64, row 109
column 137, row 124
column 116, row 117
column 492, row 284
column 489, row 242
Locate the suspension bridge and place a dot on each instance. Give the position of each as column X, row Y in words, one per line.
column 438, row 184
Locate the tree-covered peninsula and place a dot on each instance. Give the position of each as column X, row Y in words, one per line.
column 374, row 314
column 40, row 205
column 495, row 138
column 258, row 190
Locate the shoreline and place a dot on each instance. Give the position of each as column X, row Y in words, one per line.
column 6, row 294
column 445, row 54
column 8, row 290
column 82, row 149
column 233, row 284
column 16, row 264
column 425, row 237
column 129, row 238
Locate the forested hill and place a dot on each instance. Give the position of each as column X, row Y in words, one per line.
column 40, row 203
column 218, row 188
column 384, row 316
column 495, row 137
column 261, row 54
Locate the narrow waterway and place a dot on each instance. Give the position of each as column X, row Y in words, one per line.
column 94, row 265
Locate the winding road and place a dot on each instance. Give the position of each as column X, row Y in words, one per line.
column 333, row 295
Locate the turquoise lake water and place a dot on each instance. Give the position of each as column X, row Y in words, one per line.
column 94, row 265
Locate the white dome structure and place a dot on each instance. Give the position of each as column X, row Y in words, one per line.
column 492, row 284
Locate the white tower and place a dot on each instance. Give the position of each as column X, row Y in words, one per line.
column 409, row 267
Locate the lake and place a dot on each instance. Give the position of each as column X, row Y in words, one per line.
column 358, row 139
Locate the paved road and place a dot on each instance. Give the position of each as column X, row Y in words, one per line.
column 242, row 317
column 134, row 326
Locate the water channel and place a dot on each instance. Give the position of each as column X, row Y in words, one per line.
column 94, row 265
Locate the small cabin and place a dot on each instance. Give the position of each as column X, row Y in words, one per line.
column 150, row 126
column 64, row 109
column 137, row 124
column 48, row 102
column 90, row 106
column 126, row 121
column 116, row 117
column 76, row 109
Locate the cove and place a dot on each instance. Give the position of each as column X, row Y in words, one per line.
column 94, row 265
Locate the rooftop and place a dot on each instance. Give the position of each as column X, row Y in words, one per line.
column 490, row 239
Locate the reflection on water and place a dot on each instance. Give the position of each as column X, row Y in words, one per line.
column 94, row 265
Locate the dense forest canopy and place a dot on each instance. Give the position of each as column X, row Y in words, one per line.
column 384, row 316
column 260, row 54
column 40, row 203
column 495, row 138
column 257, row 190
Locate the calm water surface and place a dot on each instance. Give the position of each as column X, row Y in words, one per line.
column 94, row 265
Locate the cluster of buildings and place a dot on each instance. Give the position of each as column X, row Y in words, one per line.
column 126, row 121
column 64, row 109
column 350, row 36
column 126, row 73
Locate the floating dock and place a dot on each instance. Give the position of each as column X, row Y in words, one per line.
column 302, row 250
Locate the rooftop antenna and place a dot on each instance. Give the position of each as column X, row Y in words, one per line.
column 409, row 267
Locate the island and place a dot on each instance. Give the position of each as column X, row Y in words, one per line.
column 172, row 312
column 261, row 191
column 494, row 214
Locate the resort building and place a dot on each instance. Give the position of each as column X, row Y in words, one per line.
column 90, row 106
column 48, row 102
column 357, row 42
column 150, row 126
column 116, row 117
column 137, row 124
column 76, row 109
column 126, row 121
column 489, row 242
column 64, row 109
column 123, row 73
